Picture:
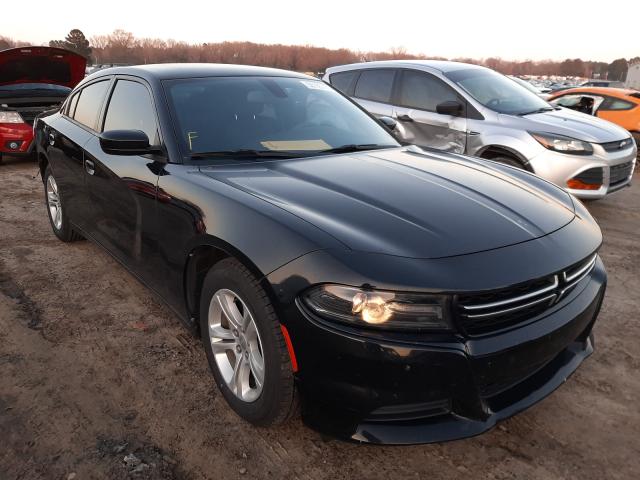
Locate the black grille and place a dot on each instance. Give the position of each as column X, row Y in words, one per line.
column 487, row 312
column 617, row 145
column 593, row 176
column 619, row 173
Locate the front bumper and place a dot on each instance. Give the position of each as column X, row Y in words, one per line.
column 367, row 388
column 559, row 168
column 20, row 133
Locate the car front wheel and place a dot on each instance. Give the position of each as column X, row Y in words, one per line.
column 57, row 217
column 245, row 346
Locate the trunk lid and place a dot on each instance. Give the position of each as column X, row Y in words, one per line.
column 48, row 65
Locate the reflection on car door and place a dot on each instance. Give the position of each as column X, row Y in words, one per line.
column 122, row 188
column 373, row 91
column 418, row 94
column 66, row 138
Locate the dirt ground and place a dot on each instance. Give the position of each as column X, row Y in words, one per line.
column 93, row 368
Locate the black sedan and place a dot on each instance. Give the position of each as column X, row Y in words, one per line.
column 402, row 295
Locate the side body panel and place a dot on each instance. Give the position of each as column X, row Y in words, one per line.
column 63, row 142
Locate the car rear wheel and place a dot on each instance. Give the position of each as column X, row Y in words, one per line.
column 244, row 344
column 57, row 217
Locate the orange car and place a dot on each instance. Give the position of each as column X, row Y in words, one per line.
column 618, row 105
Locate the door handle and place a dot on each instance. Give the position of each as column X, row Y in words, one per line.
column 90, row 167
column 52, row 139
column 405, row 118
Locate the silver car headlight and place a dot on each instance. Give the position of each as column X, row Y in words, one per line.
column 378, row 308
column 562, row 144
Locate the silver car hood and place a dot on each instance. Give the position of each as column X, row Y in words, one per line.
column 571, row 124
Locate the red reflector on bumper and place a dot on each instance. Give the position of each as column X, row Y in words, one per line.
column 292, row 354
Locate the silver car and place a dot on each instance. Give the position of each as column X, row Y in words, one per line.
column 474, row 110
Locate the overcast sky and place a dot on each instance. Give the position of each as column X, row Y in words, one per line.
column 514, row 30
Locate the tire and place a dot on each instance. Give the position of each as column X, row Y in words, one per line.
column 58, row 220
column 512, row 162
column 230, row 283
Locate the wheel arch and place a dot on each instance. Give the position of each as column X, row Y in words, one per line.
column 199, row 261
column 43, row 161
column 492, row 151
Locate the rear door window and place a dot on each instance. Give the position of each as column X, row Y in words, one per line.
column 617, row 104
column 375, row 85
column 422, row 91
column 343, row 80
column 89, row 104
column 131, row 108
column 72, row 105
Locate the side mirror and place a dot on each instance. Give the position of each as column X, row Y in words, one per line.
column 126, row 142
column 450, row 107
column 389, row 122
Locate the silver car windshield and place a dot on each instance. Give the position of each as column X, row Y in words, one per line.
column 497, row 92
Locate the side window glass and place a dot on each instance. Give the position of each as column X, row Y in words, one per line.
column 131, row 108
column 71, row 108
column 88, row 105
column 568, row 101
column 342, row 80
column 423, row 91
column 375, row 85
column 617, row 104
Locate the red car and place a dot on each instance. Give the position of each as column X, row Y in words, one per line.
column 33, row 80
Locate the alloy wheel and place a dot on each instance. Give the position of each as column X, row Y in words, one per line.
column 236, row 345
column 53, row 202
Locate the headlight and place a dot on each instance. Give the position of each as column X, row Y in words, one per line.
column 378, row 308
column 10, row 117
column 562, row 144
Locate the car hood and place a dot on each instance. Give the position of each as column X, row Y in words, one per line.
column 572, row 124
column 41, row 65
column 405, row 201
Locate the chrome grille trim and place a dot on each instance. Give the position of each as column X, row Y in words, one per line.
column 486, row 312
column 494, row 313
column 520, row 298
column 577, row 277
column 582, row 271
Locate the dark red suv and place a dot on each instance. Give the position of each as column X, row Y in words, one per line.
column 33, row 80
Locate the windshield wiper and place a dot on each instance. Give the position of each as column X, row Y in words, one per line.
column 244, row 153
column 355, row 148
column 538, row 110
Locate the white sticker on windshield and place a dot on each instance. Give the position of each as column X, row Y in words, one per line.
column 315, row 84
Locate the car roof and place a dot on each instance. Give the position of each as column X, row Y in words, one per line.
column 166, row 71
column 440, row 65
column 611, row 92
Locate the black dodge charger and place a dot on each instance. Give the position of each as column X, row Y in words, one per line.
column 398, row 295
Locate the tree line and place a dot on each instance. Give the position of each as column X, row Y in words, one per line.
column 123, row 47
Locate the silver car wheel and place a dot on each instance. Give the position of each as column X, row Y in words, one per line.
column 53, row 202
column 236, row 345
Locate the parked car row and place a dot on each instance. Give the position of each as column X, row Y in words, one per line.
column 400, row 294
column 473, row 110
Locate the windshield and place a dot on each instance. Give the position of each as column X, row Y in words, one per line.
column 497, row 92
column 268, row 114
column 525, row 84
